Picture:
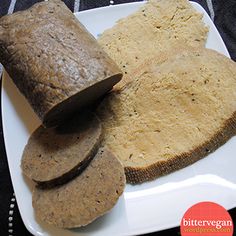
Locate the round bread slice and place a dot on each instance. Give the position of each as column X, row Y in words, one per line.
column 88, row 196
column 52, row 156
column 172, row 114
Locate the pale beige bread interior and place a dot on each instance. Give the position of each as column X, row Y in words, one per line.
column 159, row 26
column 91, row 194
column 172, row 114
column 55, row 155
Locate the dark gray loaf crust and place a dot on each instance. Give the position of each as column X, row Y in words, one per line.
column 54, row 61
column 83, row 199
column 54, row 156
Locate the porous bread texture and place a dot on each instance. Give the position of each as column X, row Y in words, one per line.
column 53, row 156
column 159, row 26
column 172, row 114
column 91, row 194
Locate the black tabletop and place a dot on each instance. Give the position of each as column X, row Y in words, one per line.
column 222, row 12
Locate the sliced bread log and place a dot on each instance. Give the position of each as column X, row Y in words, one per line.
column 91, row 194
column 54, row 61
column 55, row 155
column 159, row 26
column 172, row 114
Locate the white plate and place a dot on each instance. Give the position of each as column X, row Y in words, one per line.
column 152, row 206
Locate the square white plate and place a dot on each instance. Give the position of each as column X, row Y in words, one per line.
column 149, row 207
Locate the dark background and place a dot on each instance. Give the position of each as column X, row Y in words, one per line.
column 224, row 12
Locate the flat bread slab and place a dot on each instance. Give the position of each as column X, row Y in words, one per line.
column 172, row 114
column 86, row 197
column 159, row 26
column 55, row 155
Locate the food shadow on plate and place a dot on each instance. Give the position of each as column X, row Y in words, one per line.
column 21, row 106
column 30, row 184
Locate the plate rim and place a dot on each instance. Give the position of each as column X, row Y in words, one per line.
column 25, row 221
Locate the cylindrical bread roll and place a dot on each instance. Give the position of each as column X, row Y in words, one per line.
column 54, row 61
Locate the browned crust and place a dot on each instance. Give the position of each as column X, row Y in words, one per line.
column 136, row 175
column 54, row 61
